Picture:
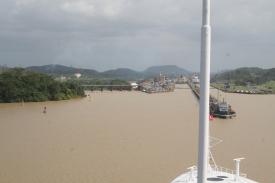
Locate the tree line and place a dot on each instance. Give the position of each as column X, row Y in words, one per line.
column 242, row 76
column 18, row 85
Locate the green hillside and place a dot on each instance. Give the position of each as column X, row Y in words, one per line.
column 248, row 79
column 21, row 85
column 120, row 73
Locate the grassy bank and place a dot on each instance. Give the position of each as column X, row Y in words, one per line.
column 265, row 88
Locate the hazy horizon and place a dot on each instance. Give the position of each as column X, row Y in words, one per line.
column 91, row 68
column 108, row 34
column 132, row 68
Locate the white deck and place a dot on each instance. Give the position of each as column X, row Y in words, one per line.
column 218, row 174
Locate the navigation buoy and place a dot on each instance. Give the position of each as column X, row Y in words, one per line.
column 211, row 117
column 45, row 110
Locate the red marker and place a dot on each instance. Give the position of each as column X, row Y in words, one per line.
column 211, row 117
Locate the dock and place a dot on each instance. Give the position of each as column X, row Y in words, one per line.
column 195, row 89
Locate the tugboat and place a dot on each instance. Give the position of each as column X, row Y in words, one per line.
column 221, row 109
column 207, row 171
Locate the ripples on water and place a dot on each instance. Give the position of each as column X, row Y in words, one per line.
column 129, row 137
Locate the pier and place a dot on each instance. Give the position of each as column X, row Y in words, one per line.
column 108, row 87
column 195, row 89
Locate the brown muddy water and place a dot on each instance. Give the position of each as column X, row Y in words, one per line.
column 130, row 137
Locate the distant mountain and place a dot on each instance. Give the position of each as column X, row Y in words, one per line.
column 243, row 75
column 169, row 70
column 121, row 73
column 62, row 70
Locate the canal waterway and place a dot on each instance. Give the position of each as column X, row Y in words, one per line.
column 122, row 137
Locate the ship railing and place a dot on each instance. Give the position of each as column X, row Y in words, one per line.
column 220, row 169
column 215, row 170
column 189, row 176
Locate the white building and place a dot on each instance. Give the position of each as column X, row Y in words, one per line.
column 77, row 75
column 134, row 85
column 195, row 79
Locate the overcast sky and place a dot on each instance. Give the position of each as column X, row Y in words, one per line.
column 107, row 34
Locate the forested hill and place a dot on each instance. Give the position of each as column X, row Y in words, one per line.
column 241, row 76
column 61, row 69
column 169, row 70
column 120, row 73
column 17, row 85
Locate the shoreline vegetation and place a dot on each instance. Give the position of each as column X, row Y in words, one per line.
column 20, row 85
column 247, row 80
column 25, row 85
column 264, row 89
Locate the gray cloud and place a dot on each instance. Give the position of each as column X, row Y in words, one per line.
column 104, row 34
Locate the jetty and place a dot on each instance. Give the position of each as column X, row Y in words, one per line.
column 195, row 89
column 220, row 109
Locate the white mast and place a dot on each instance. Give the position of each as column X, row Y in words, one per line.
column 203, row 154
column 199, row 175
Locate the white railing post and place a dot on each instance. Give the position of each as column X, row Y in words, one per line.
column 237, row 164
column 192, row 169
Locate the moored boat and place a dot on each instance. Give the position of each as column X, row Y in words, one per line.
column 222, row 110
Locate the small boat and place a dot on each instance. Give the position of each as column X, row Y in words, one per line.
column 222, row 110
